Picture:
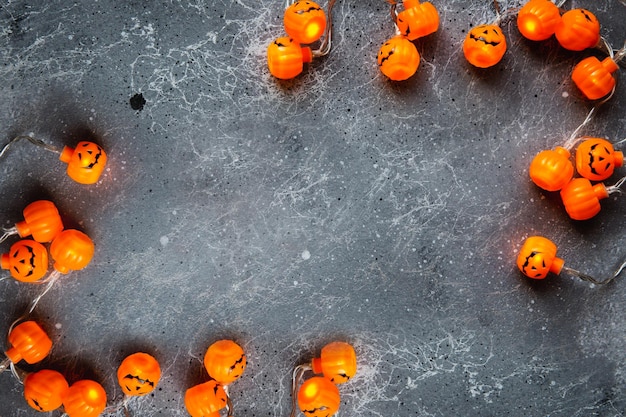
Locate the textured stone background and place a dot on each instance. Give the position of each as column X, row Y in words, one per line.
column 336, row 206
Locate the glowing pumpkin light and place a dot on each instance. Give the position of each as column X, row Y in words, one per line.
column 578, row 29
column 205, row 400
column 537, row 19
column 29, row 342
column 71, row 250
column 398, row 58
column 596, row 159
column 337, row 362
column 138, row 374
column 44, row 390
column 286, row 58
column 27, row 260
column 318, row 397
column 305, row 21
column 537, row 258
column 594, row 78
column 85, row 163
column 84, row 398
column 484, row 46
column 417, row 19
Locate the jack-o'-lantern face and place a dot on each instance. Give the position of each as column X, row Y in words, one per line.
column 596, row 159
column 85, row 163
column 398, row 58
column 225, row 361
column 138, row 374
column 538, row 257
column 318, row 397
column 578, row 29
column 417, row 19
column 337, row 362
column 27, row 260
column 484, row 46
column 43, row 390
column 205, row 400
column 305, row 21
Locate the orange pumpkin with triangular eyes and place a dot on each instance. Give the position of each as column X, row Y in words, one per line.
column 484, row 46
column 85, row 163
column 27, row 260
column 138, row 374
column 596, row 159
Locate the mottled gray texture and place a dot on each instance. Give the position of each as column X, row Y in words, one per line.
column 335, row 206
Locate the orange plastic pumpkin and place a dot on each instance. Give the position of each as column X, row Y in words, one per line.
column 305, row 21
column 27, row 260
column 596, row 159
column 205, row 400
column 538, row 257
column 581, row 199
column 417, row 19
column 225, row 361
column 537, row 19
column 398, row 58
column 44, row 390
column 594, row 78
column 551, row 170
column 578, row 29
column 29, row 342
column 285, row 58
column 71, row 250
column 484, row 46
column 84, row 398
column 337, row 362
column 138, row 374
column 85, row 163
column 318, row 397
column 41, row 220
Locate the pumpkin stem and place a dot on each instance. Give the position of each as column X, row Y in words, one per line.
column 593, row 280
column 36, row 142
column 6, row 232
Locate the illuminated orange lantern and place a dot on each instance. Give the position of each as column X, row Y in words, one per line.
column 581, row 199
column 85, row 163
column 538, row 257
column 537, row 19
column 71, row 250
column 578, row 29
column 551, row 170
column 225, row 361
column 596, row 159
column 305, row 21
column 286, row 58
column 318, row 397
column 41, row 220
column 594, row 78
column 205, row 400
column 484, row 46
column 27, row 260
column 84, row 398
column 417, row 19
column 29, row 342
column 138, row 374
column 398, row 58
column 44, row 390
column 337, row 362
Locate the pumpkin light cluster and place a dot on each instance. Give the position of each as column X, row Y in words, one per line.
column 318, row 396
column 398, row 57
column 305, row 23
